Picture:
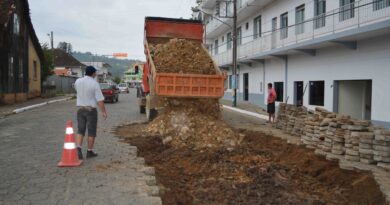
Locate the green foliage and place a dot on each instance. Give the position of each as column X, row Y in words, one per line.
column 117, row 79
column 47, row 65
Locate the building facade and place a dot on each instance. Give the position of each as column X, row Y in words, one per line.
column 102, row 73
column 328, row 53
column 66, row 65
column 19, row 49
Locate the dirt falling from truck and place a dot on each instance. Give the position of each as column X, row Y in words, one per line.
column 193, row 122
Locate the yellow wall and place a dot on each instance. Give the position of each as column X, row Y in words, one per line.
column 34, row 84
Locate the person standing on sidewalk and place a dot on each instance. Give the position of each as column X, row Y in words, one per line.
column 89, row 97
column 271, row 103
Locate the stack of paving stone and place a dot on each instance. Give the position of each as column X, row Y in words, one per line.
column 281, row 116
column 351, row 144
column 381, row 147
column 291, row 118
column 337, row 129
column 325, row 146
column 299, row 125
column 362, row 131
column 312, row 128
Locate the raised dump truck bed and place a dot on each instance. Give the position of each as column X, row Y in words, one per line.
column 161, row 30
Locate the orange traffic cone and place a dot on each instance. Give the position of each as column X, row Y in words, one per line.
column 70, row 157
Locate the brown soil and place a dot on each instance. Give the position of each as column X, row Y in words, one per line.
column 261, row 170
column 193, row 123
column 182, row 56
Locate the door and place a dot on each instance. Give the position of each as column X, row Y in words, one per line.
column 274, row 27
column 246, row 86
column 284, row 26
column 298, row 90
column 354, row 98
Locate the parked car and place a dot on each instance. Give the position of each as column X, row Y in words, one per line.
column 123, row 88
column 110, row 92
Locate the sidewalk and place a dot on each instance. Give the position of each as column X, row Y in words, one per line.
column 245, row 106
column 6, row 110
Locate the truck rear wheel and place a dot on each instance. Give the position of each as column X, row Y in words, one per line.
column 142, row 109
column 151, row 114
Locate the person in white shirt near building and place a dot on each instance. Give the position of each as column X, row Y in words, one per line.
column 89, row 97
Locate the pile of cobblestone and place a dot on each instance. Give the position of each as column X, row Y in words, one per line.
column 336, row 134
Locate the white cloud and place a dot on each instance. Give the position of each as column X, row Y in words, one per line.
column 102, row 26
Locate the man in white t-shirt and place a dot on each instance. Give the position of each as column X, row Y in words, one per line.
column 89, row 97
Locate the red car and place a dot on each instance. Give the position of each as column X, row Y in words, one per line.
column 110, row 92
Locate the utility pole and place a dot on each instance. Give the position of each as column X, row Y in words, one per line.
column 51, row 36
column 235, row 53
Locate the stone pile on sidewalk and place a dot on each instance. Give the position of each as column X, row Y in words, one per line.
column 381, row 147
column 336, row 135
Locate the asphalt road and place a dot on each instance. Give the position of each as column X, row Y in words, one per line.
column 31, row 145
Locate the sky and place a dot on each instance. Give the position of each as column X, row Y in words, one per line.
column 102, row 26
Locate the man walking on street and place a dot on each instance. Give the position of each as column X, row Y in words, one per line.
column 89, row 97
column 271, row 103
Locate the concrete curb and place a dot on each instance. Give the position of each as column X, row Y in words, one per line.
column 30, row 107
column 253, row 114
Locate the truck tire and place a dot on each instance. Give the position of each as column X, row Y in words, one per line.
column 142, row 109
column 151, row 114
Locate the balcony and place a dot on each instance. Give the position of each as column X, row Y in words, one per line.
column 245, row 10
column 343, row 24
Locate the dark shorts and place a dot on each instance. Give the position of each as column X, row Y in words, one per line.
column 271, row 108
column 87, row 118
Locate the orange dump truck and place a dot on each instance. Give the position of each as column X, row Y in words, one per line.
column 156, row 84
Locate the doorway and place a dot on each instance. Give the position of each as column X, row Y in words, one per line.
column 246, row 86
column 298, row 90
column 353, row 98
column 274, row 28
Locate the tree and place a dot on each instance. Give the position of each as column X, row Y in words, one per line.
column 47, row 65
column 117, row 80
column 67, row 47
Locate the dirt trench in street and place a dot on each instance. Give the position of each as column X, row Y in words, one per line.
column 261, row 170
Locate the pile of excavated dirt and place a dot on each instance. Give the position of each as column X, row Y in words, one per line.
column 191, row 122
column 181, row 56
column 261, row 170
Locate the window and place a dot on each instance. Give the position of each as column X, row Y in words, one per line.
column 35, row 71
column 229, row 40
column 11, row 66
column 319, row 13
column 347, row 9
column 16, row 24
column 279, row 87
column 380, row 4
column 223, row 39
column 21, row 68
column 239, row 36
column 317, row 91
column 211, row 49
column 239, row 3
column 261, row 87
column 216, row 47
column 257, row 27
column 230, row 82
column 284, row 26
column 246, row 26
column 300, row 19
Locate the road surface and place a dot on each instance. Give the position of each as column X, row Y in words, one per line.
column 31, row 145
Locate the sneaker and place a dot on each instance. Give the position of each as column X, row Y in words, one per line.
column 91, row 154
column 80, row 153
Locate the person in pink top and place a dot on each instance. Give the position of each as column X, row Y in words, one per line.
column 271, row 103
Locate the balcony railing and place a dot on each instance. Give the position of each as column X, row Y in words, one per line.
column 355, row 15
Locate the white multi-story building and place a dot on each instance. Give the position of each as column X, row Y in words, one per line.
column 329, row 53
